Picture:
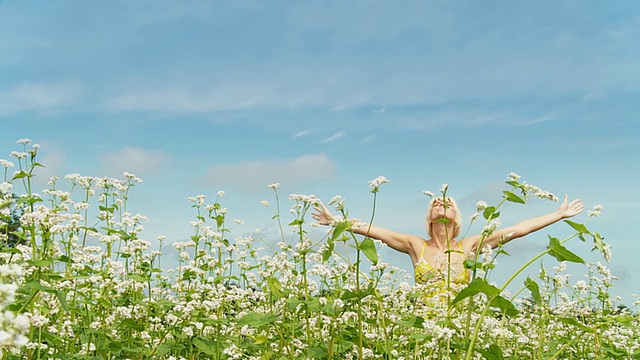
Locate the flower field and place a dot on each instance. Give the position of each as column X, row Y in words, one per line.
column 78, row 280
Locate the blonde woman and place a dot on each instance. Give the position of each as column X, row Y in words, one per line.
column 441, row 257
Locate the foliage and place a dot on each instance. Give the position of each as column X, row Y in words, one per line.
column 92, row 288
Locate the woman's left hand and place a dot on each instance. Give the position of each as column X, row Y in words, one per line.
column 569, row 209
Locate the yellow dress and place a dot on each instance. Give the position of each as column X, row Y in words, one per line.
column 436, row 279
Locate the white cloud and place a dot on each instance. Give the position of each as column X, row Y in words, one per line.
column 134, row 160
column 301, row 134
column 254, row 175
column 334, row 137
column 38, row 97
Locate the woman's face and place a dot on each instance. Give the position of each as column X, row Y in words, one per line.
column 442, row 208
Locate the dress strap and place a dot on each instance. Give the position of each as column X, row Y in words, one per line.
column 424, row 246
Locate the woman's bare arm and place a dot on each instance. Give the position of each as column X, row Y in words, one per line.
column 398, row 241
column 525, row 227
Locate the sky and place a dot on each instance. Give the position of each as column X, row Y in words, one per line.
column 321, row 97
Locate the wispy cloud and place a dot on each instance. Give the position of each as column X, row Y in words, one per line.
column 256, row 175
column 301, row 134
column 369, row 139
column 134, row 160
column 30, row 96
column 334, row 137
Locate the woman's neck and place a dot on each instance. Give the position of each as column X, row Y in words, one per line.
column 442, row 236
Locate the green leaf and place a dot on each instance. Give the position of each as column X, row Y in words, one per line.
column 339, row 229
column 316, row 352
column 368, row 247
column 138, row 277
column 40, row 262
column 62, row 297
column 36, row 285
column 21, row 174
column 472, row 264
column 476, row 286
column 576, row 323
column 533, row 287
column 132, row 324
column 326, row 253
column 219, row 220
column 490, row 213
column 509, row 196
column 504, row 305
column 578, row 227
column 494, row 352
column 561, row 253
column 275, row 287
column 207, row 346
column 256, row 319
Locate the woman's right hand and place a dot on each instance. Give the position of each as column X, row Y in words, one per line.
column 322, row 215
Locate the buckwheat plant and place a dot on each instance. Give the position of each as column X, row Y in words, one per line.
column 78, row 280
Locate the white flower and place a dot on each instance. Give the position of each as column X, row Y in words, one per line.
column 597, row 210
column 444, row 188
column 274, row 186
column 24, row 141
column 513, row 176
column 5, row 187
column 427, row 193
column 265, row 203
column 481, row 205
column 220, row 193
column 375, row 183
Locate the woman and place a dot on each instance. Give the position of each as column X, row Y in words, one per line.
column 441, row 257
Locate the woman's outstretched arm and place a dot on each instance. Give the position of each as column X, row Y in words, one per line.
column 398, row 241
column 525, row 227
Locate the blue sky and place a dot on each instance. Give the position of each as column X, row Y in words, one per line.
column 323, row 96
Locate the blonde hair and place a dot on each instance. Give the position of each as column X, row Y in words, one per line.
column 457, row 222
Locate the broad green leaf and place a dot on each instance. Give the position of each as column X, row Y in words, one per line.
column 256, row 319
column 36, row 285
column 368, row 247
column 561, row 253
column 533, row 287
column 220, row 220
column 207, row 346
column 138, row 277
column 504, row 305
column 275, row 287
column 20, row 175
column 490, row 213
column 576, row 323
column 476, row 286
column 326, row 253
column 472, row 264
column 62, row 297
column 40, row 262
column 260, row 339
column 494, row 352
column 339, row 229
column 578, row 227
column 132, row 324
column 509, row 196
column 164, row 349
column 316, row 352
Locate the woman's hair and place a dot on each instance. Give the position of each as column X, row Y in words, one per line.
column 457, row 222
